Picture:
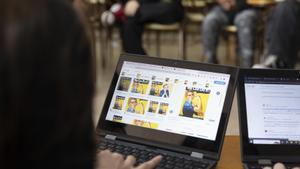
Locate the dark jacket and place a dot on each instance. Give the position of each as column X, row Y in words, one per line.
column 160, row 11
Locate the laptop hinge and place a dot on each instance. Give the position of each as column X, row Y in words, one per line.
column 110, row 137
column 264, row 162
column 197, row 155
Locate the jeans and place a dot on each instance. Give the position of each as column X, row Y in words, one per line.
column 245, row 21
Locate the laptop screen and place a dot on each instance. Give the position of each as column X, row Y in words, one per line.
column 176, row 100
column 273, row 110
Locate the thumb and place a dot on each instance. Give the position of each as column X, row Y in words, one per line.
column 279, row 166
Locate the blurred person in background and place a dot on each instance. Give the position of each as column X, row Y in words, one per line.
column 140, row 12
column 132, row 15
column 229, row 12
column 46, row 90
column 283, row 36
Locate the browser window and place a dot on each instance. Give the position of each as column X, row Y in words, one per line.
column 176, row 100
column 273, row 110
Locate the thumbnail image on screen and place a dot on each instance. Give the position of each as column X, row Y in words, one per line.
column 139, row 86
column 195, row 102
column 124, row 83
column 163, row 108
column 119, row 102
column 153, row 106
column 136, row 105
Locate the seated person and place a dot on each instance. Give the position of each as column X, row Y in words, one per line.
column 283, row 35
column 229, row 12
column 46, row 90
column 140, row 12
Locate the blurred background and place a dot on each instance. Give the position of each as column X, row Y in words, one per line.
column 182, row 38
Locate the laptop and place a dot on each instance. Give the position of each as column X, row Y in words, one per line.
column 269, row 113
column 178, row 109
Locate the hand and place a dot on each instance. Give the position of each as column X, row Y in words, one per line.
column 279, row 166
column 227, row 4
column 109, row 160
column 131, row 7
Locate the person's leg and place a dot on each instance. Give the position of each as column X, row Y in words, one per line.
column 161, row 12
column 283, row 33
column 131, row 34
column 245, row 21
column 211, row 29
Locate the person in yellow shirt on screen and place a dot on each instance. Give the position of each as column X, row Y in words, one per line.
column 131, row 105
column 139, row 108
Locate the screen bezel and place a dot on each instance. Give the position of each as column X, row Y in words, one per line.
column 205, row 145
column 258, row 151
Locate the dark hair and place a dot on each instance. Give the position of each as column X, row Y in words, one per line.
column 46, row 87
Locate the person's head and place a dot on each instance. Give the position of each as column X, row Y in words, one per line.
column 189, row 95
column 46, row 86
column 135, row 85
column 132, row 102
column 165, row 86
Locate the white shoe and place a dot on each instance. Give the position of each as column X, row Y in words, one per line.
column 270, row 62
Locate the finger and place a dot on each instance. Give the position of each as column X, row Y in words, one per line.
column 117, row 156
column 267, row 167
column 296, row 168
column 129, row 162
column 104, row 153
column 279, row 166
column 151, row 164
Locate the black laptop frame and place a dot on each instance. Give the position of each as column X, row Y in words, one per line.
column 256, row 152
column 211, row 149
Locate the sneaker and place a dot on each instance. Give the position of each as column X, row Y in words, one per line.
column 271, row 62
column 107, row 18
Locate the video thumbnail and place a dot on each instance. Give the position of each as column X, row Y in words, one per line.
column 163, row 108
column 153, row 106
column 139, row 86
column 119, row 103
column 195, row 102
column 155, row 88
column 124, row 83
column 117, row 118
column 165, row 91
column 136, row 105
column 145, row 124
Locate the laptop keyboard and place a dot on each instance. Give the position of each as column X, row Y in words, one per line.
column 169, row 161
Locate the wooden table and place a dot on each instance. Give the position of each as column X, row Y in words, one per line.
column 231, row 154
